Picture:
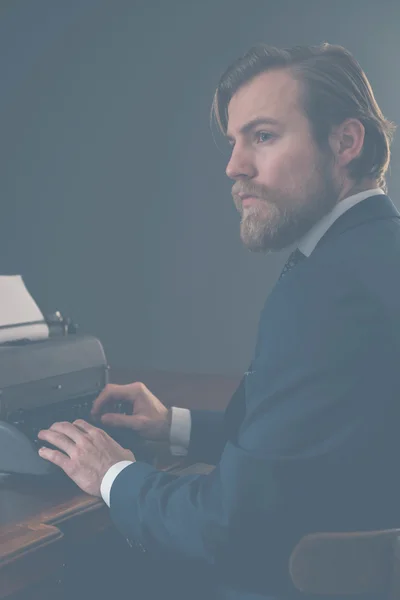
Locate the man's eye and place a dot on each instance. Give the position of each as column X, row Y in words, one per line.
column 263, row 136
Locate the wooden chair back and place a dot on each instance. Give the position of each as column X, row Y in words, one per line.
column 348, row 563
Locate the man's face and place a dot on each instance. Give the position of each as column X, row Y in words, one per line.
column 284, row 183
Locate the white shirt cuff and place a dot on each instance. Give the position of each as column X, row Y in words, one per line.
column 109, row 478
column 179, row 436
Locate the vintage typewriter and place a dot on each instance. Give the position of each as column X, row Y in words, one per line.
column 41, row 382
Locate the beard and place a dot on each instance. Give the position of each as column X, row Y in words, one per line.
column 279, row 219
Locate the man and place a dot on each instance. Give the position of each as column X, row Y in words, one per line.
column 310, row 439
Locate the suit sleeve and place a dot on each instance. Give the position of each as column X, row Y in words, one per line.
column 207, row 436
column 310, row 424
column 209, row 431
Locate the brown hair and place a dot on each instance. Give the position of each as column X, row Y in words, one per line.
column 334, row 88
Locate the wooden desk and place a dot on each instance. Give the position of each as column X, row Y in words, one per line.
column 39, row 526
column 57, row 542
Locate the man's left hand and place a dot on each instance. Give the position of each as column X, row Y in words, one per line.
column 87, row 452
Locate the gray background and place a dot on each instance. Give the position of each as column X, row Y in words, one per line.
column 115, row 205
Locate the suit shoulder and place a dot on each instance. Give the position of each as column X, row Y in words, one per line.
column 368, row 245
column 367, row 255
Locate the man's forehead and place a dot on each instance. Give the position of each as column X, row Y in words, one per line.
column 273, row 94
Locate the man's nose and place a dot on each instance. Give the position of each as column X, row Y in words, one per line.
column 240, row 164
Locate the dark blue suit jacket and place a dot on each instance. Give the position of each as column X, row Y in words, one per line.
column 310, row 440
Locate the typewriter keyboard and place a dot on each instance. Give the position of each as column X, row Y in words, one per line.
column 30, row 422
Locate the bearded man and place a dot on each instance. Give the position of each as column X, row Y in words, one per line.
column 309, row 441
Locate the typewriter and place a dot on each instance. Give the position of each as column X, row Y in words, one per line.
column 41, row 382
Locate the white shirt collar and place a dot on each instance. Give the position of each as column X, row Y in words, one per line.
column 308, row 243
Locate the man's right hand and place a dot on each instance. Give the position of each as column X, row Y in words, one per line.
column 150, row 418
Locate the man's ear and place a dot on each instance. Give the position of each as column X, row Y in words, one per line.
column 347, row 140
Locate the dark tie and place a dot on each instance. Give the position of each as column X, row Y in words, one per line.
column 294, row 258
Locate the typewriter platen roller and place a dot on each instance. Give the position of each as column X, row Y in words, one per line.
column 42, row 382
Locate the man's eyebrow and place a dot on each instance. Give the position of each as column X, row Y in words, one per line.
column 252, row 124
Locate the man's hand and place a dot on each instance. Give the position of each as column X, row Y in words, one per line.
column 87, row 452
column 149, row 418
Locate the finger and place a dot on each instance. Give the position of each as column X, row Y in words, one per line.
column 111, row 393
column 55, row 457
column 84, row 426
column 118, row 420
column 59, row 440
column 68, row 429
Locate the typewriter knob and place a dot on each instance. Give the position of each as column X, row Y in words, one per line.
column 59, row 323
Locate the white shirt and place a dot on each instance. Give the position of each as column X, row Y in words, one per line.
column 181, row 422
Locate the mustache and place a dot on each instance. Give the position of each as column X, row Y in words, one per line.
column 248, row 188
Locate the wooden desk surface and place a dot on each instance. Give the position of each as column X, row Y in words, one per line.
column 37, row 520
column 39, row 517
